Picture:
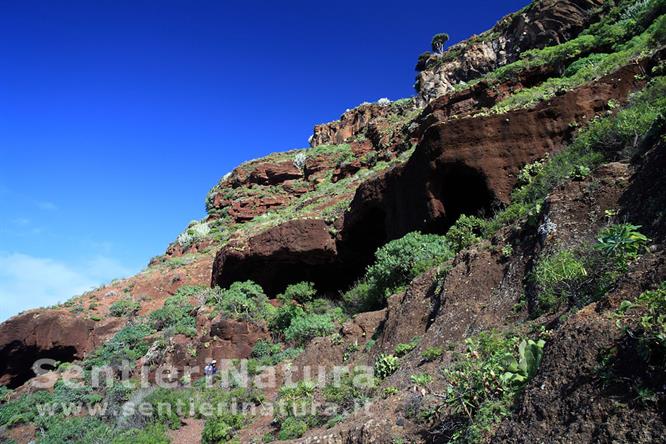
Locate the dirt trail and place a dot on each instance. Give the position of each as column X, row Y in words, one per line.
column 189, row 433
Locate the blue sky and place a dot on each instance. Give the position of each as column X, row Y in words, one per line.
column 118, row 116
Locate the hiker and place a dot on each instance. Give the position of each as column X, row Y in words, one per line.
column 211, row 369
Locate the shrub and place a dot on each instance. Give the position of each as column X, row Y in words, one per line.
column 558, row 277
column 221, row 428
column 622, row 241
column 264, row 349
column 23, row 409
column 283, row 317
column 466, row 231
column 422, row 379
column 306, row 327
column 396, row 264
column 404, row 348
column 292, row 428
column 151, row 434
column 166, row 403
column 479, row 389
column 124, row 307
column 385, row 366
column 352, row 388
column 644, row 320
column 432, row 353
column 128, row 344
column 176, row 314
column 244, row 301
column 302, row 292
column 84, row 430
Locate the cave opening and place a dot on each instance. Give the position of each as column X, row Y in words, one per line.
column 17, row 361
column 464, row 190
column 331, row 272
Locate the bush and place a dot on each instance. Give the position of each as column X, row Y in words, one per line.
column 644, row 320
column 438, row 42
column 558, row 277
column 165, row 404
column 283, row 317
column 396, row 264
column 124, row 307
column 23, row 409
column 221, row 428
column 151, row 434
column 176, row 315
column 421, row 380
column 404, row 348
column 264, row 349
column 467, row 231
column 432, row 353
column 302, row 292
column 352, row 388
column 385, row 366
column 128, row 344
column 306, row 327
column 292, row 428
column 481, row 389
column 244, row 301
column 622, row 241
column 84, row 430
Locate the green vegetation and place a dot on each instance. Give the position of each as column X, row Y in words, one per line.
column 129, row 344
column 485, row 380
column 580, row 276
column 438, row 42
column 353, row 389
column 308, row 326
column 385, row 366
column 124, row 307
column 432, row 353
column 221, row 428
column 404, row 348
column 302, row 292
column 628, row 39
column 396, row 264
column 644, row 321
column 421, row 380
column 243, row 301
column 176, row 316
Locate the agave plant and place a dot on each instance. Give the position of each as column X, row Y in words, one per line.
column 520, row 371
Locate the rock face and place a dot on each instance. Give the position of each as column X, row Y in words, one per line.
column 55, row 334
column 468, row 166
column 543, row 23
column 363, row 120
column 294, row 251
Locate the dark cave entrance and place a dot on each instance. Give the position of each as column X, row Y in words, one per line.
column 464, row 190
column 330, row 272
column 17, row 361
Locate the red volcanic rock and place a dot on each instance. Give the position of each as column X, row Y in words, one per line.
column 274, row 173
column 290, row 252
column 470, row 165
column 51, row 334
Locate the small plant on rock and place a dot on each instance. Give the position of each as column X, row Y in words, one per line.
column 385, row 366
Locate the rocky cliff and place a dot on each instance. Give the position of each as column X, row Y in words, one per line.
column 493, row 250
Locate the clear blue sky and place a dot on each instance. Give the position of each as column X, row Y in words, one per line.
column 118, row 116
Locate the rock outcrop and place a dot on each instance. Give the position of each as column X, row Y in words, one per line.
column 480, row 155
column 50, row 334
column 298, row 250
column 541, row 24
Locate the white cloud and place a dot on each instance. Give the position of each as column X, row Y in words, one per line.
column 30, row 282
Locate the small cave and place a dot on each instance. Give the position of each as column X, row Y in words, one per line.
column 332, row 271
column 17, row 361
column 464, row 190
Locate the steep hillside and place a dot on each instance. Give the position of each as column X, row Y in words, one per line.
column 482, row 263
